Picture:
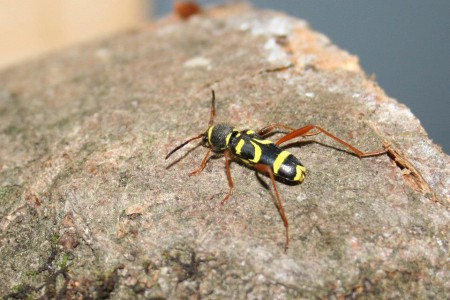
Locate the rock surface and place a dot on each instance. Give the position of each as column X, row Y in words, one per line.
column 90, row 207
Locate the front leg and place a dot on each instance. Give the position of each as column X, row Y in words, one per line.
column 203, row 164
column 230, row 179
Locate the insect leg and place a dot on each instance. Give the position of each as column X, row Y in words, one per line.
column 267, row 169
column 304, row 130
column 269, row 128
column 203, row 164
column 230, row 180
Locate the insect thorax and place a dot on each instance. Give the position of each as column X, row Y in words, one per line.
column 219, row 136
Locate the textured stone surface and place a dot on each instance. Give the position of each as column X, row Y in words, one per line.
column 89, row 206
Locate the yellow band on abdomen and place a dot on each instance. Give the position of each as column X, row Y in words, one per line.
column 299, row 173
column 279, row 161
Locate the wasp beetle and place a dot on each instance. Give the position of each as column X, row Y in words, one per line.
column 265, row 156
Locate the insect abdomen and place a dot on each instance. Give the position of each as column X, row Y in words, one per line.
column 287, row 166
column 252, row 149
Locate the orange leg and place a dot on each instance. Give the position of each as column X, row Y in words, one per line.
column 269, row 128
column 304, row 130
column 203, row 165
column 230, row 180
column 268, row 170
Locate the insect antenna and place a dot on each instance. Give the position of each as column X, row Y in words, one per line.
column 212, row 113
column 184, row 144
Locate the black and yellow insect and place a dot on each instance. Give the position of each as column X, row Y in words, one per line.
column 263, row 155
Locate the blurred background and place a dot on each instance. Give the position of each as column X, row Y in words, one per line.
column 405, row 43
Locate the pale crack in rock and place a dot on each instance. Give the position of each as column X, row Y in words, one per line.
column 272, row 28
column 198, row 62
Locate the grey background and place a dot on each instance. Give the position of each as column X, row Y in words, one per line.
column 405, row 43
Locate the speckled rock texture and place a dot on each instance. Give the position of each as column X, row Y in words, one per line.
column 89, row 207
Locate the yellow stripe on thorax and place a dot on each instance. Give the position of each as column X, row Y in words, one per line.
column 210, row 133
column 279, row 161
column 258, row 153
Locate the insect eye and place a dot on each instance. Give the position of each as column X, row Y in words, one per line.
column 205, row 140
